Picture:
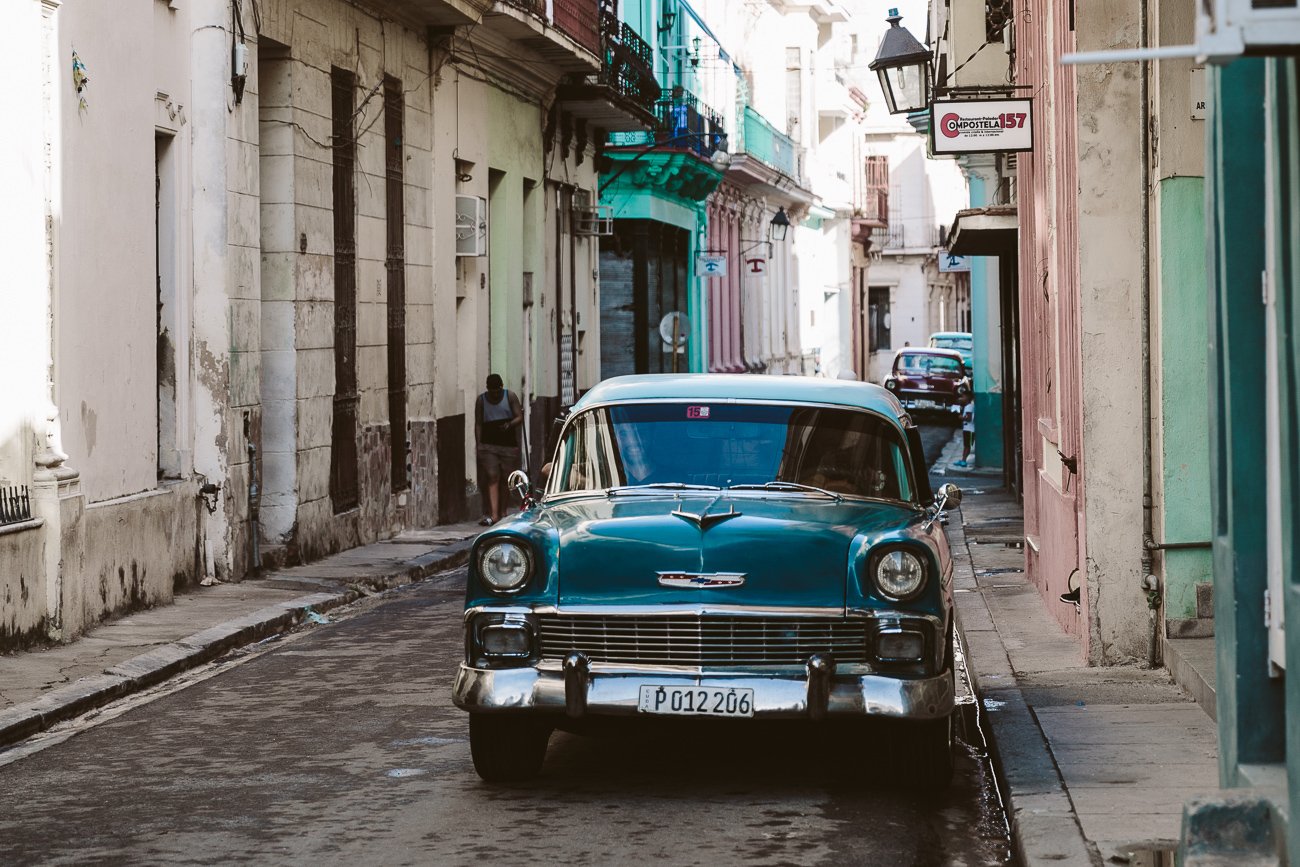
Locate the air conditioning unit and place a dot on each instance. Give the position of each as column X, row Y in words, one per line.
column 1225, row 30
column 1229, row 28
column 595, row 220
column 471, row 226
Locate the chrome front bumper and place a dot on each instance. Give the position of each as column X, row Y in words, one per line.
column 578, row 688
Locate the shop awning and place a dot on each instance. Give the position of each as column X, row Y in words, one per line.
column 989, row 231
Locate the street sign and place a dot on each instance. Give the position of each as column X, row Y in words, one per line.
column 711, row 265
column 982, row 126
column 949, row 262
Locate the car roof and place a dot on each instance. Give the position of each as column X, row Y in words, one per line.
column 930, row 350
column 742, row 387
column 950, row 334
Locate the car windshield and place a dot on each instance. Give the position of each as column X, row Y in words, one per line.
column 961, row 344
column 920, row 362
column 623, row 448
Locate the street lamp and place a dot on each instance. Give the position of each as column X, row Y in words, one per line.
column 779, row 226
column 903, row 65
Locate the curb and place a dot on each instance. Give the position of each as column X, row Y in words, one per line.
column 1044, row 826
column 166, row 661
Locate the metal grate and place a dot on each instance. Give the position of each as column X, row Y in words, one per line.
column 15, row 505
column 343, row 439
column 395, row 266
column 705, row 640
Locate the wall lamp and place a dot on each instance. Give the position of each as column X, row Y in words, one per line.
column 666, row 24
column 903, row 65
column 776, row 232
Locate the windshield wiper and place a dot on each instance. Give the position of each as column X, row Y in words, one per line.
column 666, row 486
column 786, row 486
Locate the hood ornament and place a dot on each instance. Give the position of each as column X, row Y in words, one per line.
column 701, row 580
column 706, row 521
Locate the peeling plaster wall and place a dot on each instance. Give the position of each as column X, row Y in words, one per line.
column 282, row 340
column 23, row 610
column 139, row 552
column 106, row 336
column 1110, row 292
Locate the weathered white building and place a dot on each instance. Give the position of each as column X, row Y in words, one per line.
column 907, row 297
column 265, row 255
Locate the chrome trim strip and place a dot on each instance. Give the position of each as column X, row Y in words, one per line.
column 616, row 692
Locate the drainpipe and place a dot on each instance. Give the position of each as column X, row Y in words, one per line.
column 254, row 503
column 1150, row 583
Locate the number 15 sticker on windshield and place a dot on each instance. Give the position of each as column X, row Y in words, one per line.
column 697, row 412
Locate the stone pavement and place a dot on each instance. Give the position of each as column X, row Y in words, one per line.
column 1094, row 763
column 42, row 687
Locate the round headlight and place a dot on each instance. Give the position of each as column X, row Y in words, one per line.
column 899, row 574
column 505, row 565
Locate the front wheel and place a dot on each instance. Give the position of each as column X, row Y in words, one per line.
column 931, row 753
column 507, row 748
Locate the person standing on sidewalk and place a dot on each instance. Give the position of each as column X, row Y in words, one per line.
column 498, row 426
column 967, row 430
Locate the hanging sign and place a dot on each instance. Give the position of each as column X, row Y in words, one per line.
column 711, row 265
column 982, row 126
column 949, row 262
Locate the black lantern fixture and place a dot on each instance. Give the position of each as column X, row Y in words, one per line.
column 779, row 226
column 666, row 23
column 903, row 65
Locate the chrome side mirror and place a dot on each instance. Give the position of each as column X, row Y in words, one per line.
column 518, row 482
column 949, row 496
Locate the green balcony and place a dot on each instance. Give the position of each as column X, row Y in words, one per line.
column 762, row 141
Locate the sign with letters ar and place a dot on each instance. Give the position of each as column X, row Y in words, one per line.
column 975, row 126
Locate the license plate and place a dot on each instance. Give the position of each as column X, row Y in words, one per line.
column 697, row 700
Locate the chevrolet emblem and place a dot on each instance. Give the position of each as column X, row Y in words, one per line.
column 701, row 580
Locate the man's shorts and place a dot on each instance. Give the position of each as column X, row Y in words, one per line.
column 497, row 462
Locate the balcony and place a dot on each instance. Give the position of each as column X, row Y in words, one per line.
column 872, row 213
column 765, row 143
column 622, row 96
column 569, row 40
column 581, row 20
column 899, row 236
column 679, row 115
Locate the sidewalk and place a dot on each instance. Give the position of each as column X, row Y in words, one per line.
column 42, row 687
column 1094, row 763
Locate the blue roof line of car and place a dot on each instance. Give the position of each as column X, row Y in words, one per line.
column 743, row 386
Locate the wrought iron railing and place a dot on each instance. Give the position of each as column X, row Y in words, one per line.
column 764, row 142
column 534, row 7
column 629, row 62
column 580, row 19
column 897, row 236
column 693, row 127
column 15, row 505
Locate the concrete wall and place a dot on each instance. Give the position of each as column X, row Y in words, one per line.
column 139, row 551
column 1110, row 292
column 24, row 614
column 107, row 311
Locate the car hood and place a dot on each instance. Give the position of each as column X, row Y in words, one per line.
column 791, row 550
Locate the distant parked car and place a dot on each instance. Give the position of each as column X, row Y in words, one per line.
column 958, row 341
column 722, row 547
column 924, row 378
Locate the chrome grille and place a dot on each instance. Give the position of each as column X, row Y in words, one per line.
column 703, row 640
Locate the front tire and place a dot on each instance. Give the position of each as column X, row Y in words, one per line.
column 507, row 748
column 932, row 753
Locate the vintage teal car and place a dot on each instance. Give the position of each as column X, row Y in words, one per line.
column 731, row 546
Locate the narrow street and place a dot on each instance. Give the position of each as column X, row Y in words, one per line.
column 339, row 744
